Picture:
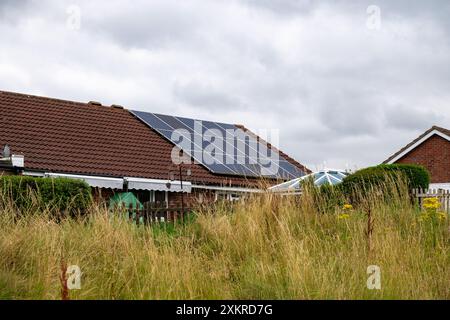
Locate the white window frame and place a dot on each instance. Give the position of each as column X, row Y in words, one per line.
column 228, row 196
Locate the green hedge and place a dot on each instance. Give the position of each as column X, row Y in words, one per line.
column 416, row 176
column 59, row 193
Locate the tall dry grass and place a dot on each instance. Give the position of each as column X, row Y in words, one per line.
column 266, row 247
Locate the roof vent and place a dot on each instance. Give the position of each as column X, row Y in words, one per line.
column 94, row 103
column 116, row 106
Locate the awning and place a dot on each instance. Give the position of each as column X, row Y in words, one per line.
column 158, row 185
column 118, row 183
column 93, row 181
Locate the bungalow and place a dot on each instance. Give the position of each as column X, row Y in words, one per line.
column 431, row 150
column 114, row 149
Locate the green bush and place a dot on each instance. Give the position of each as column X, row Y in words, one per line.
column 326, row 198
column 416, row 177
column 58, row 193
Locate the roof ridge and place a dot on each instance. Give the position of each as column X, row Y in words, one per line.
column 442, row 129
column 413, row 142
column 66, row 101
column 40, row 97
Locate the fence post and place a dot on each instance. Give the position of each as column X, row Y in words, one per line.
column 130, row 211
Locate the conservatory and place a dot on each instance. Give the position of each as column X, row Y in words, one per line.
column 322, row 177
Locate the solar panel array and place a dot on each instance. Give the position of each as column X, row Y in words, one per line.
column 241, row 156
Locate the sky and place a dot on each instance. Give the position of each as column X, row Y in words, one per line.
column 346, row 83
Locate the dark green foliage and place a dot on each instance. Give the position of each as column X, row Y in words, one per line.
column 416, row 177
column 58, row 193
column 326, row 197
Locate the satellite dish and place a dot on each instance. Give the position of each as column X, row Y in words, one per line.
column 6, row 152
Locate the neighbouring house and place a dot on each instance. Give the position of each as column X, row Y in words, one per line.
column 118, row 150
column 431, row 150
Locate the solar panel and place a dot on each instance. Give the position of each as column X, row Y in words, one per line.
column 242, row 155
column 153, row 121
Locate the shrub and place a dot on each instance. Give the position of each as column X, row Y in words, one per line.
column 416, row 177
column 59, row 193
column 325, row 197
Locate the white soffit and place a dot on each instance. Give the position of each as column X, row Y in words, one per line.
column 418, row 143
column 158, row 185
column 93, row 181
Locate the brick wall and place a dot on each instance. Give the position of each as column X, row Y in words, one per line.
column 433, row 154
column 101, row 195
column 191, row 199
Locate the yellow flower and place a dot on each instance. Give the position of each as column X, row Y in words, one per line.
column 442, row 215
column 343, row 216
column 431, row 203
column 348, row 207
column 423, row 217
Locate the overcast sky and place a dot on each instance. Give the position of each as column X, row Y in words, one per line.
column 343, row 87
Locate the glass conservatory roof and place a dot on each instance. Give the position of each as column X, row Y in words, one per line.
column 322, row 177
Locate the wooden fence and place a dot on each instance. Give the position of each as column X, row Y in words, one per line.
column 156, row 212
column 442, row 195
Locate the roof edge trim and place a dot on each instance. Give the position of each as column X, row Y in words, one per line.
column 397, row 157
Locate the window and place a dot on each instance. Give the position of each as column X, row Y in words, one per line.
column 228, row 196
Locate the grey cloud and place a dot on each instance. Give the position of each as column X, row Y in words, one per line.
column 13, row 10
column 407, row 118
column 351, row 113
column 285, row 7
column 205, row 96
column 144, row 26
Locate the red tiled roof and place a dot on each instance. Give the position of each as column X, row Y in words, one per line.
column 71, row 137
column 409, row 145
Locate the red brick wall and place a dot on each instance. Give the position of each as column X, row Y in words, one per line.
column 101, row 195
column 433, row 154
column 191, row 199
